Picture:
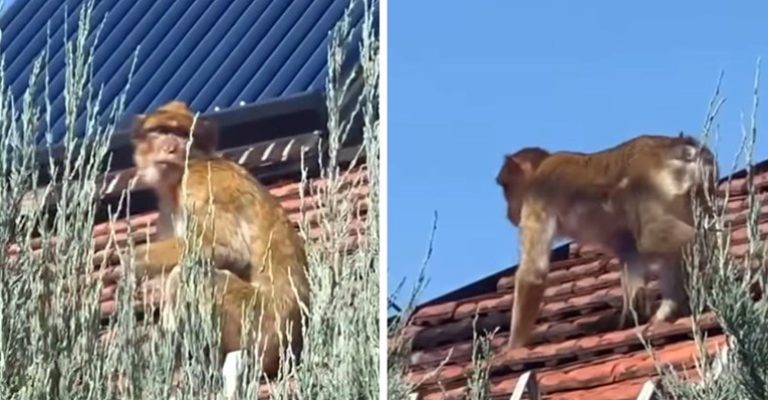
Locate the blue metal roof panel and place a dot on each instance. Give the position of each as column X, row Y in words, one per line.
column 208, row 53
column 287, row 61
column 223, row 53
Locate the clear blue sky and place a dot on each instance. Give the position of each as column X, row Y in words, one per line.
column 470, row 81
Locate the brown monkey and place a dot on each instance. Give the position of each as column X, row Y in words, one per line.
column 632, row 200
column 259, row 259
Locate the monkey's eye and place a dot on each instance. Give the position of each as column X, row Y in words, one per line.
column 170, row 131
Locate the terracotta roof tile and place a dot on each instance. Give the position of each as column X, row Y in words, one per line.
column 578, row 350
column 435, row 315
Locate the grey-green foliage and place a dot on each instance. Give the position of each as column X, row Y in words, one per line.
column 399, row 385
column 725, row 285
column 50, row 317
column 399, row 342
column 478, row 384
column 340, row 359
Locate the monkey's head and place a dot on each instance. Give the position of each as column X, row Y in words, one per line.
column 514, row 175
column 690, row 162
column 160, row 142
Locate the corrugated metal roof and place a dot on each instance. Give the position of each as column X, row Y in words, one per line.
column 208, row 53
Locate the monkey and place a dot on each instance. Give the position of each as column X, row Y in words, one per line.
column 633, row 201
column 259, row 260
column 659, row 211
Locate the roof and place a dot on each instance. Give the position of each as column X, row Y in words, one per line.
column 577, row 351
column 209, row 54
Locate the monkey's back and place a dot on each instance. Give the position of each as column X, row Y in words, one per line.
column 591, row 176
column 578, row 186
column 265, row 248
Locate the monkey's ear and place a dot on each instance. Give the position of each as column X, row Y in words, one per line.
column 137, row 123
column 528, row 159
column 510, row 171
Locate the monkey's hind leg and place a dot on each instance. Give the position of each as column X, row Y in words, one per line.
column 674, row 299
column 662, row 234
column 636, row 304
column 238, row 302
column 271, row 312
column 235, row 299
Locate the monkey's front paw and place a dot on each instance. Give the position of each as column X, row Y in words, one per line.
column 109, row 264
column 105, row 257
column 516, row 342
column 168, row 318
column 667, row 312
column 112, row 274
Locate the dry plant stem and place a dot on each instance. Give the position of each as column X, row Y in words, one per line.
column 723, row 284
column 50, row 336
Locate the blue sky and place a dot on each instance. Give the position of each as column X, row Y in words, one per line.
column 471, row 81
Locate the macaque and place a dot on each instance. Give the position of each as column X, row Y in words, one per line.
column 633, row 201
column 258, row 257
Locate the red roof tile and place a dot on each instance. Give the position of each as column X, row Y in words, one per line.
column 578, row 352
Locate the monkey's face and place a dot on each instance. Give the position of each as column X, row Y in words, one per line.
column 160, row 142
column 160, row 158
column 689, row 165
column 512, row 181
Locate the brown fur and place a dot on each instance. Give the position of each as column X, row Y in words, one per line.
column 258, row 254
column 175, row 118
column 633, row 200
